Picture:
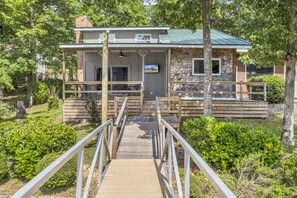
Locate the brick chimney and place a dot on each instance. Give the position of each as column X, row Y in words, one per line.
column 81, row 21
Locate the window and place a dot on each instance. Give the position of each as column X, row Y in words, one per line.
column 117, row 74
column 253, row 70
column 111, row 38
column 198, row 66
column 143, row 38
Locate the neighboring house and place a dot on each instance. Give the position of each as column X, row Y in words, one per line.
column 162, row 59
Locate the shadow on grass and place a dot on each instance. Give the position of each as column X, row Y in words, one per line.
column 55, row 190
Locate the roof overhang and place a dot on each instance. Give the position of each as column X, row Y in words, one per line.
column 119, row 28
column 85, row 47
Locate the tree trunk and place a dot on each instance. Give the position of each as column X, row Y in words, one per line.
column 288, row 122
column 207, row 109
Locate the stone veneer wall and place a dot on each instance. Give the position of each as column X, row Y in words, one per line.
column 181, row 70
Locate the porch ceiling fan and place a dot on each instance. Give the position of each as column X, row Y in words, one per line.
column 121, row 54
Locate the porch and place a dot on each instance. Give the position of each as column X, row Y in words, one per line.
column 185, row 99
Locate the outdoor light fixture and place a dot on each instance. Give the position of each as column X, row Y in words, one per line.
column 121, row 55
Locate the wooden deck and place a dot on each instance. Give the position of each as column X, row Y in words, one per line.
column 133, row 179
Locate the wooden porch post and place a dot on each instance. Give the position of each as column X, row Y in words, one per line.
column 63, row 85
column 143, row 55
column 104, row 98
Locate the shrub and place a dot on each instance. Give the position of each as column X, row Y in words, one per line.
column 254, row 179
column 91, row 107
column 199, row 185
column 55, row 84
column 290, row 169
column 275, row 88
column 29, row 141
column 53, row 103
column 3, row 166
column 64, row 177
column 40, row 92
column 222, row 144
column 5, row 109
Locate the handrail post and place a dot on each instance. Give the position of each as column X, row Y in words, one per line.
column 141, row 97
column 251, row 90
column 79, row 176
column 169, row 159
column 265, row 91
column 240, row 90
column 187, row 161
column 115, row 107
column 114, row 144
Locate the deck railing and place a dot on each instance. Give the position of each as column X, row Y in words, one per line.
column 81, row 89
column 182, row 88
column 168, row 137
column 104, row 143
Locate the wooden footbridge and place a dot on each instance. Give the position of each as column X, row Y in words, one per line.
column 134, row 157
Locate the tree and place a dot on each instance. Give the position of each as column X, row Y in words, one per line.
column 207, row 109
column 115, row 13
column 32, row 31
column 183, row 13
column 273, row 32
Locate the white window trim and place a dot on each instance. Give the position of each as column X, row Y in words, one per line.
column 109, row 40
column 136, row 35
column 220, row 66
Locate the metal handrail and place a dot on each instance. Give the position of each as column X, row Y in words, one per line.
column 167, row 146
column 119, row 126
column 122, row 111
column 33, row 185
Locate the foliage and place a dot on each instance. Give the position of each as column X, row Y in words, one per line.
column 116, row 13
column 53, row 103
column 40, row 92
column 55, row 86
column 254, row 179
column 5, row 109
column 27, row 142
column 275, row 88
column 199, row 185
column 91, row 107
column 4, row 170
column 32, row 31
column 222, row 144
column 290, row 169
column 64, row 177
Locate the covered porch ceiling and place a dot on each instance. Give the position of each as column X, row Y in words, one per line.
column 143, row 46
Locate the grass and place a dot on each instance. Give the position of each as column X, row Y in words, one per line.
column 11, row 185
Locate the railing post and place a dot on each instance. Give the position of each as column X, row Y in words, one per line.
column 240, row 90
column 169, row 159
column 251, row 90
column 114, row 144
column 79, row 176
column 100, row 165
column 265, row 92
column 187, row 161
column 141, row 97
column 115, row 107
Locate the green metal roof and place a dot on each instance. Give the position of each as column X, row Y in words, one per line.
column 187, row 37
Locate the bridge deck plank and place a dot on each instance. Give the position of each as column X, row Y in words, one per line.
column 134, row 178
